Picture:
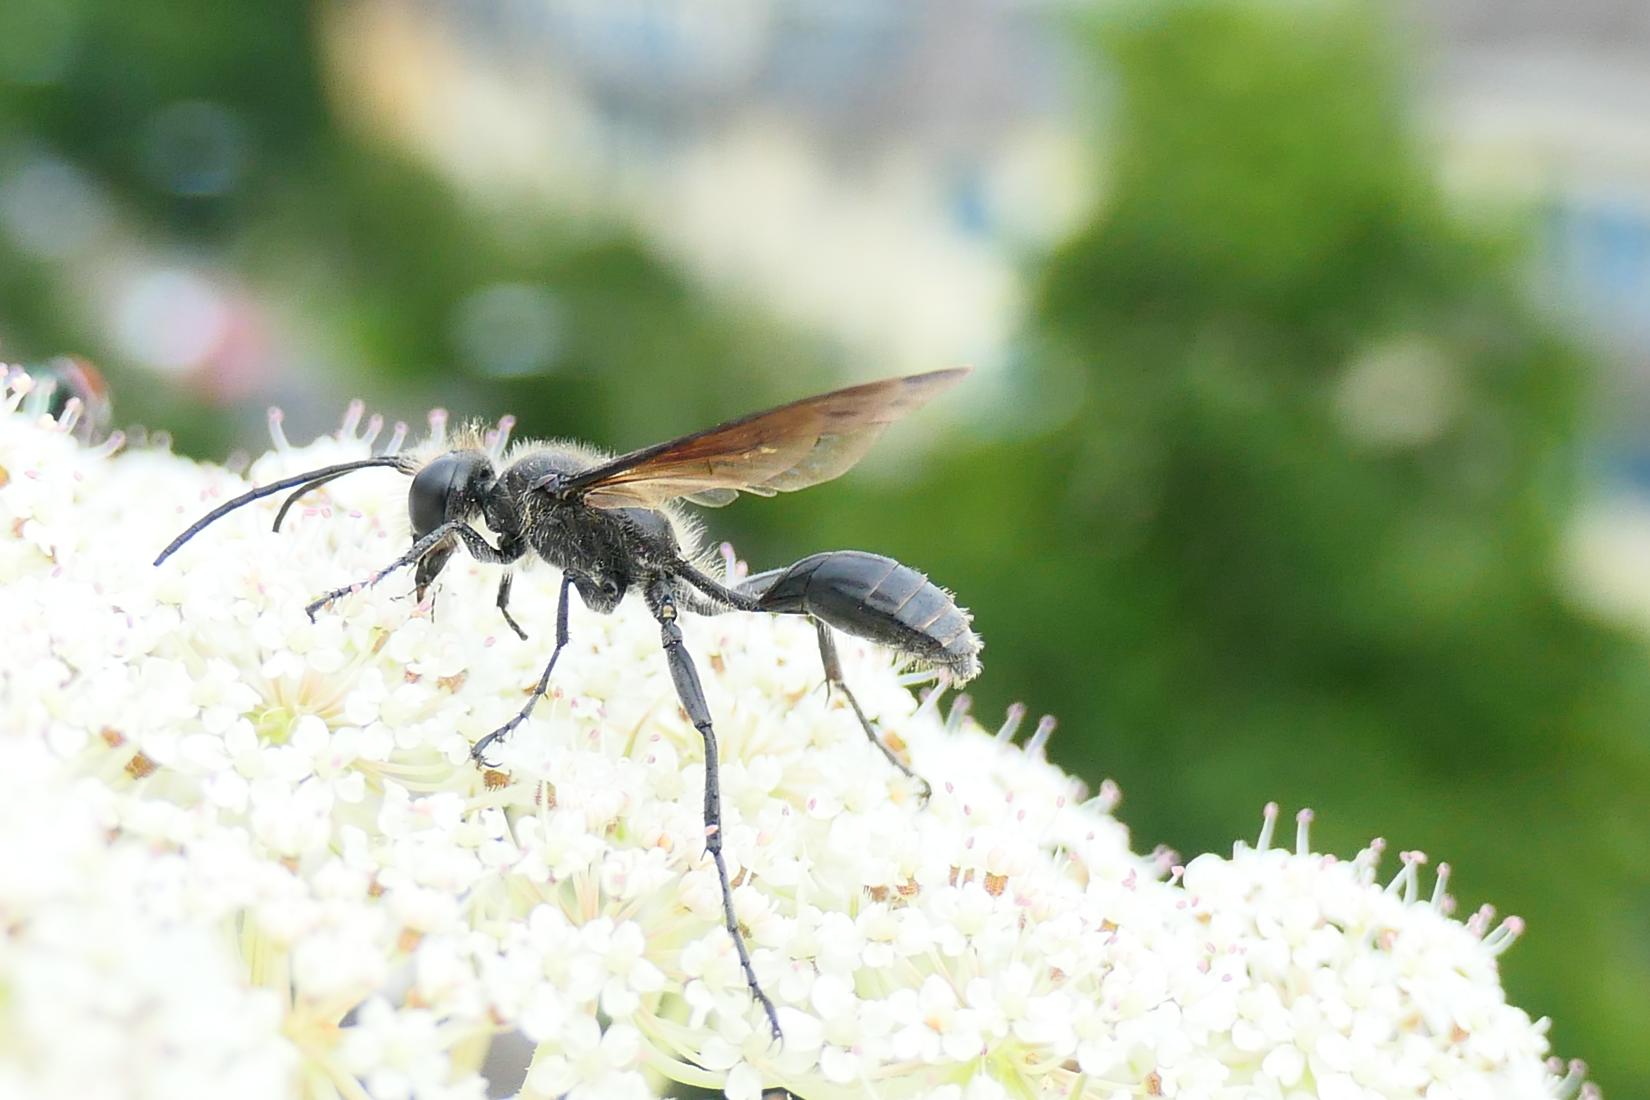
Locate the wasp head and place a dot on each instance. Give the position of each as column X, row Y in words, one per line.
column 452, row 487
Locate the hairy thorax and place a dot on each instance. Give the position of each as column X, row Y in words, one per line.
column 604, row 550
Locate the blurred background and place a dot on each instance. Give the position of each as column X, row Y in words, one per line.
column 1308, row 452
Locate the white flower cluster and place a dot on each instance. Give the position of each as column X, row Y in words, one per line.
column 248, row 855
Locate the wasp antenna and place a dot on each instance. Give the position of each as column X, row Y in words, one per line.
column 310, row 479
column 300, row 492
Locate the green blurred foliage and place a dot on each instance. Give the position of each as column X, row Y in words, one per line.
column 347, row 240
column 1269, row 510
column 1233, row 582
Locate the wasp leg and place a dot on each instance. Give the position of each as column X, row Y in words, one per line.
column 504, row 605
column 833, row 679
column 692, row 696
column 478, row 753
column 473, row 541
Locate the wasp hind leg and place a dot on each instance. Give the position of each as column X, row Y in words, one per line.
column 834, row 682
column 690, row 692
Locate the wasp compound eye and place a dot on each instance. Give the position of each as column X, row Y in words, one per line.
column 446, row 489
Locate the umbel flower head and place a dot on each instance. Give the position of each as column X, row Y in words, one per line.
column 248, row 855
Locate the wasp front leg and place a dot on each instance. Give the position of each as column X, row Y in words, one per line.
column 430, row 543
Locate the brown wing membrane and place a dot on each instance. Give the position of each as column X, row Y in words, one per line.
column 778, row 451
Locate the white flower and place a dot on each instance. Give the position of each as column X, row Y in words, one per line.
column 248, row 855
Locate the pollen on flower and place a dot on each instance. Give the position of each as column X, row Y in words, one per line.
column 315, row 892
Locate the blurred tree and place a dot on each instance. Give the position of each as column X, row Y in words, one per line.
column 1295, row 534
column 206, row 137
column 1320, row 474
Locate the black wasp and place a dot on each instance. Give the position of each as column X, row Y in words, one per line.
column 611, row 526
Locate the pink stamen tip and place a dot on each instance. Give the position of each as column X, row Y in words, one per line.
column 276, row 431
column 931, row 699
column 1268, row 823
column 1038, row 744
column 352, row 417
column 398, row 436
column 375, row 424
column 1011, row 722
column 1110, row 794
column 70, row 416
column 1303, row 832
column 1441, row 900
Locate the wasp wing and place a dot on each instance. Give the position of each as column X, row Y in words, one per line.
column 777, row 451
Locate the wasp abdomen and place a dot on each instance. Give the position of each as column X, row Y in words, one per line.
column 878, row 599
